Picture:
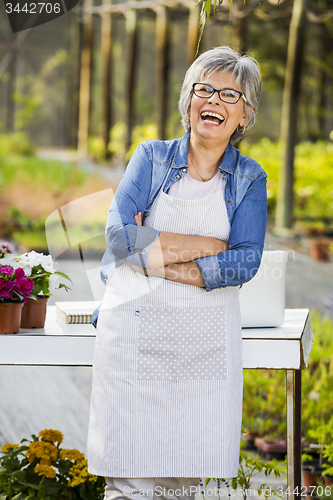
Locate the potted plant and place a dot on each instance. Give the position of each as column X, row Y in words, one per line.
column 40, row 268
column 328, row 474
column 39, row 468
column 250, row 466
column 312, row 470
column 263, row 411
column 15, row 289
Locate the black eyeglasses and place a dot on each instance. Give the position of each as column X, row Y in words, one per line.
column 205, row 91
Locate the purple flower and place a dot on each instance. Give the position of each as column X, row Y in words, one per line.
column 14, row 285
column 4, row 294
column 8, row 270
column 19, row 272
column 24, row 286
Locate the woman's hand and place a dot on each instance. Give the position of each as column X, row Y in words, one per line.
column 175, row 255
column 174, row 248
column 138, row 219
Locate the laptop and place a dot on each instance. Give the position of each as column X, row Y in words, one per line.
column 262, row 300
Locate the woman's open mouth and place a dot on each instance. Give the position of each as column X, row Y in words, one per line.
column 210, row 117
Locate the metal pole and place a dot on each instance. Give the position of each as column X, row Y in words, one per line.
column 290, row 435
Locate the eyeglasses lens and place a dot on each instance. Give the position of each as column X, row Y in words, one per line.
column 205, row 91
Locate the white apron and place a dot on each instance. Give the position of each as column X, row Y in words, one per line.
column 167, row 378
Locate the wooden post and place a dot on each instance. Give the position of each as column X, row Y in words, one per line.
column 288, row 134
column 10, row 112
column 131, row 56
column 239, row 27
column 85, row 79
column 74, row 88
column 193, row 34
column 106, row 37
column 162, row 68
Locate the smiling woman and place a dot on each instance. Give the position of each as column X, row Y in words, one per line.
column 188, row 218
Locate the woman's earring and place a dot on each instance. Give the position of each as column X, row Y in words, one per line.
column 240, row 129
column 186, row 119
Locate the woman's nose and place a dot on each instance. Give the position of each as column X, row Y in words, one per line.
column 214, row 99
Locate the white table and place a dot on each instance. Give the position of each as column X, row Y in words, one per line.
column 283, row 348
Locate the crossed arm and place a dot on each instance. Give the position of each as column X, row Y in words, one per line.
column 172, row 256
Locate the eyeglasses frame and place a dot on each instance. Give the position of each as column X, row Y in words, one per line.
column 241, row 95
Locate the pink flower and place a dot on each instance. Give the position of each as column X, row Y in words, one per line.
column 20, row 272
column 5, row 294
column 4, row 249
column 8, row 270
column 14, row 285
column 24, row 286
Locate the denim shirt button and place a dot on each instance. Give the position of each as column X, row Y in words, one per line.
column 184, row 169
column 177, row 176
column 228, row 201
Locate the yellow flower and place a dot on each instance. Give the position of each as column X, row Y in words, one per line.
column 31, row 458
column 9, row 446
column 45, row 470
column 51, row 435
column 72, row 454
column 43, row 449
column 79, row 473
column 45, row 461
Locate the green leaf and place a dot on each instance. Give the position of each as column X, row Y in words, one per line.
column 19, row 475
column 63, row 275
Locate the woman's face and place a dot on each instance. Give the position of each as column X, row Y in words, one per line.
column 219, row 127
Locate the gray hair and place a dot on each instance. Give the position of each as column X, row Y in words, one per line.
column 224, row 59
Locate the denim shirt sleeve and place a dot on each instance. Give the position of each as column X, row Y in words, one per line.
column 240, row 263
column 125, row 240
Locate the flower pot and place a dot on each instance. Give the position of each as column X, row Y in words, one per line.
column 319, row 249
column 311, row 496
column 274, row 448
column 328, row 480
column 10, row 316
column 34, row 313
column 311, row 474
column 249, row 438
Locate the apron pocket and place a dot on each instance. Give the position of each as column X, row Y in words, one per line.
column 181, row 344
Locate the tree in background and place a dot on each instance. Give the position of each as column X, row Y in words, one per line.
column 291, row 95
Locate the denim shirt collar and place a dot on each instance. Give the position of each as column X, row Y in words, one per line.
column 228, row 163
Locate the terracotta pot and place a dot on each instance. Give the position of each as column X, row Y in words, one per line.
column 319, row 249
column 10, row 316
column 328, row 480
column 249, row 438
column 311, row 474
column 312, row 496
column 34, row 313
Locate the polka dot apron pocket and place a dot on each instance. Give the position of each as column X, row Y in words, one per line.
column 181, row 344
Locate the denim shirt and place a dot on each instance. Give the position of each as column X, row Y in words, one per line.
column 154, row 162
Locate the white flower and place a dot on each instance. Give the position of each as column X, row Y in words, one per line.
column 23, row 262
column 48, row 263
column 33, row 259
column 8, row 260
column 54, row 282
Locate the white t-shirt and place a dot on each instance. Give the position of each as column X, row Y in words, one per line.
column 190, row 189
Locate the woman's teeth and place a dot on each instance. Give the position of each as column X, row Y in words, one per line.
column 213, row 118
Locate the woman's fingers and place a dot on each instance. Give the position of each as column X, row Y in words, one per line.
column 138, row 219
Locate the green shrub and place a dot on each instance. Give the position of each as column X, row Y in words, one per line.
column 52, row 174
column 16, row 143
column 142, row 133
column 313, row 175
